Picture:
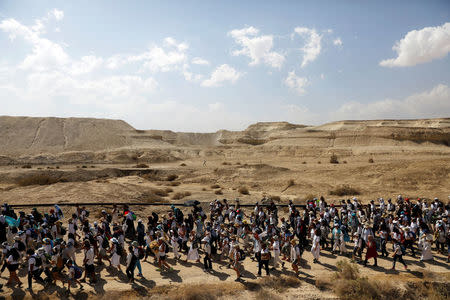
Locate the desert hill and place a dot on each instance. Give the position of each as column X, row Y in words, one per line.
column 74, row 140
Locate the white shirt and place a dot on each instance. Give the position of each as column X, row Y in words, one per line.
column 32, row 261
column 89, row 254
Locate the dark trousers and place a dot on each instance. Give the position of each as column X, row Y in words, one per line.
column 36, row 275
column 400, row 259
column 265, row 263
column 258, row 256
column 383, row 248
column 4, row 266
column 207, row 262
column 410, row 244
column 130, row 268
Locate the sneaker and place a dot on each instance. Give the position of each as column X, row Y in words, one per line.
column 158, row 269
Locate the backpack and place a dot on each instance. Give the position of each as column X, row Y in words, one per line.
column 119, row 249
column 15, row 253
column 166, row 248
column 241, row 255
column 21, row 246
column 108, row 218
column 38, row 260
column 105, row 243
column 78, row 272
column 141, row 252
column 63, row 231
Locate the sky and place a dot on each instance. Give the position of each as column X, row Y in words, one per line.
column 208, row 65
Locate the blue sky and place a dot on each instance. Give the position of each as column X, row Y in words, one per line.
column 209, row 65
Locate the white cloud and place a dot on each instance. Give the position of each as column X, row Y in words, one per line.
column 200, row 61
column 312, row 47
column 258, row 48
column 428, row 104
column 420, row 46
column 86, row 64
column 222, row 74
column 57, row 14
column 296, row 83
column 322, row 76
column 337, row 42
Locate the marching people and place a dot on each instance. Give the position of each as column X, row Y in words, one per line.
column 225, row 232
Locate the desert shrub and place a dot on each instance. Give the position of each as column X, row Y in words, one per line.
column 322, row 284
column 279, row 283
column 346, row 270
column 172, row 177
column 319, row 162
column 180, row 195
column 26, row 166
column 150, row 197
column 38, row 179
column 243, row 190
column 304, row 162
column 290, row 183
column 238, row 163
column 218, row 192
column 84, row 167
column 371, row 161
column 57, row 167
column 204, row 189
column 182, row 165
column 334, row 159
column 168, row 190
column 344, row 190
column 50, row 168
column 344, row 162
column 92, row 167
column 159, row 192
column 226, row 163
column 275, row 198
column 142, row 166
column 215, row 186
column 309, row 197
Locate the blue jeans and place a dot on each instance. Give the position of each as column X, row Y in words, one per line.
column 138, row 265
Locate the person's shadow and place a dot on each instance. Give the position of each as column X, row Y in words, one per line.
column 172, row 275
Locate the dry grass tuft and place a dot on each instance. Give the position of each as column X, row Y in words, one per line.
column 141, row 166
column 38, row 179
column 181, row 195
column 172, row 177
column 195, row 291
column 290, row 183
column 344, row 190
column 275, row 198
column 334, row 159
column 243, row 190
column 183, row 165
column 279, row 284
column 218, row 192
column 159, row 192
column 215, row 186
column 26, row 167
column 371, row 161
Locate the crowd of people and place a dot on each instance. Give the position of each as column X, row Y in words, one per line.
column 46, row 243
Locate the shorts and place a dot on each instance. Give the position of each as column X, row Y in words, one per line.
column 162, row 257
column 90, row 269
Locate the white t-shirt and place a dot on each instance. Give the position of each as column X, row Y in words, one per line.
column 32, row 261
column 90, row 256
